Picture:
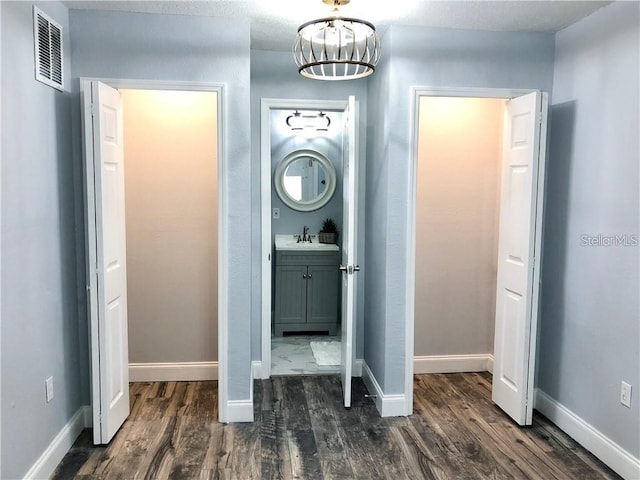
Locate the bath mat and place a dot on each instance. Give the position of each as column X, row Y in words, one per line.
column 326, row 353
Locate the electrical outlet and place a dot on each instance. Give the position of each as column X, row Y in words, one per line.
column 276, row 213
column 625, row 394
column 48, row 387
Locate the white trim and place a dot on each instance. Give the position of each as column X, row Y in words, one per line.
column 173, row 372
column 410, row 275
column 266, row 105
column 490, row 364
column 240, row 411
column 612, row 454
column 223, row 258
column 356, row 370
column 256, row 369
column 88, row 416
column 223, row 213
column 59, row 446
column 452, row 363
column 387, row 405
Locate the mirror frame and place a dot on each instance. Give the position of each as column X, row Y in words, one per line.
column 299, row 205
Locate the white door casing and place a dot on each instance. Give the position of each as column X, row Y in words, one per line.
column 108, row 317
column 518, row 256
column 349, row 267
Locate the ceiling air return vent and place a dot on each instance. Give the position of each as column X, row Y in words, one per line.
column 48, row 49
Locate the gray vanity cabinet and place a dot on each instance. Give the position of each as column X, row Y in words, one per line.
column 306, row 292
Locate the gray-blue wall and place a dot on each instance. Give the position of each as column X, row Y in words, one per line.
column 284, row 142
column 423, row 57
column 40, row 331
column 590, row 317
column 195, row 49
column 273, row 75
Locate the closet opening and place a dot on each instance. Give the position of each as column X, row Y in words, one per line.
column 479, row 169
column 457, row 220
column 171, row 217
column 152, row 187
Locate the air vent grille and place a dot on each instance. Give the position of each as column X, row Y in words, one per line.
column 48, row 49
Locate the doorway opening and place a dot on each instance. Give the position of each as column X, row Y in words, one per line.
column 479, row 164
column 308, row 175
column 306, row 170
column 152, row 166
column 171, row 191
column 457, row 217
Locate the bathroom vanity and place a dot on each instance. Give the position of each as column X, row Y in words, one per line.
column 307, row 286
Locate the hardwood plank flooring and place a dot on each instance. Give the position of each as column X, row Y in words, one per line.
column 303, row 432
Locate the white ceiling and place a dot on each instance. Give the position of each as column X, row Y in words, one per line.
column 274, row 22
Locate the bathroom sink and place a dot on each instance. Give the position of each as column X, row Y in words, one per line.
column 290, row 242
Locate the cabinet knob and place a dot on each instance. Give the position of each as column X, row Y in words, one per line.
column 304, row 275
column 310, row 275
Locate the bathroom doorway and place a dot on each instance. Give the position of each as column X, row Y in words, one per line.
column 478, row 213
column 306, row 156
column 308, row 285
column 152, row 162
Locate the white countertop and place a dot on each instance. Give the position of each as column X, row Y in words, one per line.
column 290, row 242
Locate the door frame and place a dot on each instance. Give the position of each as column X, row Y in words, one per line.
column 426, row 91
column 90, row 227
column 262, row 368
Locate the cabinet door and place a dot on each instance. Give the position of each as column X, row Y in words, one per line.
column 322, row 294
column 291, row 293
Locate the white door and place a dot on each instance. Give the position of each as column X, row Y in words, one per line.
column 107, row 259
column 349, row 267
column 518, row 253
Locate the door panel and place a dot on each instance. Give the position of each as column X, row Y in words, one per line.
column 349, row 199
column 110, row 394
column 516, row 290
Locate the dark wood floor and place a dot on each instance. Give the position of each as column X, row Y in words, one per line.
column 302, row 431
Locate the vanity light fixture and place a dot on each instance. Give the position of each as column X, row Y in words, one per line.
column 336, row 48
column 298, row 121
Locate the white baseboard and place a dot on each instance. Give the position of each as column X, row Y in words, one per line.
column 88, row 416
column 490, row 364
column 239, row 411
column 453, row 363
column 612, row 454
column 173, row 372
column 256, row 370
column 387, row 405
column 59, row 446
column 357, row 367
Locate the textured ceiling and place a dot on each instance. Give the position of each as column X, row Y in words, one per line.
column 274, row 22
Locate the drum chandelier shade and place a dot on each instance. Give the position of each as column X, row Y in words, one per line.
column 336, row 48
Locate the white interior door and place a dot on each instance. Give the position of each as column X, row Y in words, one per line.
column 518, row 249
column 107, row 260
column 349, row 266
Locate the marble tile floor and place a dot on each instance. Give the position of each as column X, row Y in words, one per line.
column 291, row 355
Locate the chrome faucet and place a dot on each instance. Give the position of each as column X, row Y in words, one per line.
column 305, row 230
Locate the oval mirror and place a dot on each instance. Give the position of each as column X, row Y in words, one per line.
column 305, row 180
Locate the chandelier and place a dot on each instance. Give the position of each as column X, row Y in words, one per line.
column 336, row 48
